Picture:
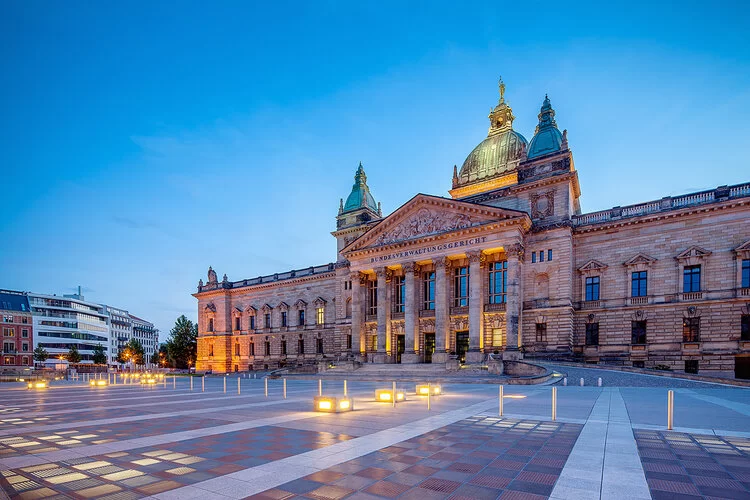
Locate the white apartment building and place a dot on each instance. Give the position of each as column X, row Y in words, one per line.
column 120, row 331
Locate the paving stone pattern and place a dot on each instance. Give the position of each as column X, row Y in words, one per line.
column 692, row 466
column 476, row 458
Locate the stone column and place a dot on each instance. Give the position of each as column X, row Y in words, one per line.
column 476, row 308
column 514, row 255
column 442, row 310
column 384, row 315
column 358, row 337
column 411, row 315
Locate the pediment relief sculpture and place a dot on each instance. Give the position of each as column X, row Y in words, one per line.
column 425, row 222
column 592, row 265
column 743, row 250
column 693, row 252
column 640, row 259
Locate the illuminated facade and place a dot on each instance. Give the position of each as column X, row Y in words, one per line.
column 508, row 263
column 17, row 330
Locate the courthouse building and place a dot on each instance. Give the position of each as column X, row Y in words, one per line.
column 507, row 264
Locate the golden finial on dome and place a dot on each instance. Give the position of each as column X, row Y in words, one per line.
column 501, row 85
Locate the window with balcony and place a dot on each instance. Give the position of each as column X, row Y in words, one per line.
column 639, row 284
column 638, row 332
column 746, row 273
column 691, row 330
column 320, row 318
column 399, row 289
column 592, row 288
column 372, row 297
column 691, row 279
column 592, row 333
column 498, row 276
column 745, row 327
column 428, row 294
column 461, row 286
column 541, row 332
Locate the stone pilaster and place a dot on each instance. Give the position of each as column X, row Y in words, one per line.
column 442, row 310
column 411, row 315
column 358, row 338
column 476, row 306
column 384, row 315
column 513, row 301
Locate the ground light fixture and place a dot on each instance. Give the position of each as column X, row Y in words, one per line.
column 386, row 395
column 98, row 383
column 332, row 404
column 148, row 380
column 41, row 384
column 424, row 389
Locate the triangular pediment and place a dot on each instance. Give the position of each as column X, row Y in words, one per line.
column 266, row 308
column 319, row 302
column 694, row 251
column 251, row 310
column 210, row 307
column 283, row 306
column 744, row 247
column 640, row 258
column 300, row 304
column 426, row 215
column 592, row 265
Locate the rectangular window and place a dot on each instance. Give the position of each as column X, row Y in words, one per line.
column 549, row 254
column 25, row 320
column 541, row 255
column 498, row 277
column 252, row 322
column 268, row 348
column 267, row 320
column 541, row 332
column 25, row 347
column 301, row 346
column 252, row 349
column 7, row 318
column 461, row 286
column 691, row 330
column 9, row 332
column 691, row 366
column 429, row 291
column 638, row 332
column 399, row 288
column 320, row 316
column 592, row 333
column 639, row 284
column 210, row 324
column 746, row 273
column 691, row 279
column 301, row 317
column 374, row 343
column 283, row 318
column 237, row 323
column 372, row 297
column 592, row 288
column 283, row 347
column 745, row 327
column 348, row 341
column 533, row 257
column 236, row 349
column 210, row 349
column 320, row 346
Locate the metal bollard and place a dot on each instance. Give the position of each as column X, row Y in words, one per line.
column 174, row 382
column 670, row 410
column 393, row 395
column 344, row 387
column 165, row 382
column 225, row 384
column 599, row 382
column 238, row 386
column 500, row 397
column 554, row 404
column 320, row 387
column 284, row 388
column 429, row 391
column 191, row 382
column 203, row 383
column 581, row 381
column 565, row 381
column 265, row 380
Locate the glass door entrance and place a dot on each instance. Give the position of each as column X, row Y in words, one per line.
column 462, row 345
column 429, row 347
column 400, row 347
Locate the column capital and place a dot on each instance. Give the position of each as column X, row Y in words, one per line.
column 410, row 267
column 384, row 272
column 358, row 277
column 477, row 256
column 442, row 264
column 515, row 250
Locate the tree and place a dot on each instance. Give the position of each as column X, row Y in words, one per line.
column 133, row 351
column 40, row 354
column 155, row 358
column 99, row 357
column 182, row 345
column 73, row 355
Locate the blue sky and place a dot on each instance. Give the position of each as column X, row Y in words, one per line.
column 144, row 141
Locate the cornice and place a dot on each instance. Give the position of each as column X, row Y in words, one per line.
column 264, row 286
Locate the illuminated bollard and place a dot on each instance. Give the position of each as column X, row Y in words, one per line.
column 599, row 382
column 265, row 381
column 500, row 404
column 320, row 387
column 345, row 388
column 554, row 404
column 238, row 385
column 284, row 388
column 581, row 381
column 670, row 410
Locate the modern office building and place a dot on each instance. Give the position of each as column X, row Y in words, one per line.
column 508, row 263
column 120, row 331
column 145, row 333
column 17, row 330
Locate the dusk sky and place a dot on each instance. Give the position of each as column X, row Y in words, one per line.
column 144, row 141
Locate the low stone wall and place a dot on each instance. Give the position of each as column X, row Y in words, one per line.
column 523, row 369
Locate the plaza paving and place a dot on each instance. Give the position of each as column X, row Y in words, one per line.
column 125, row 441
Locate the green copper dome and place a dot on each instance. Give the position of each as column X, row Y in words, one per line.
column 547, row 138
column 360, row 196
